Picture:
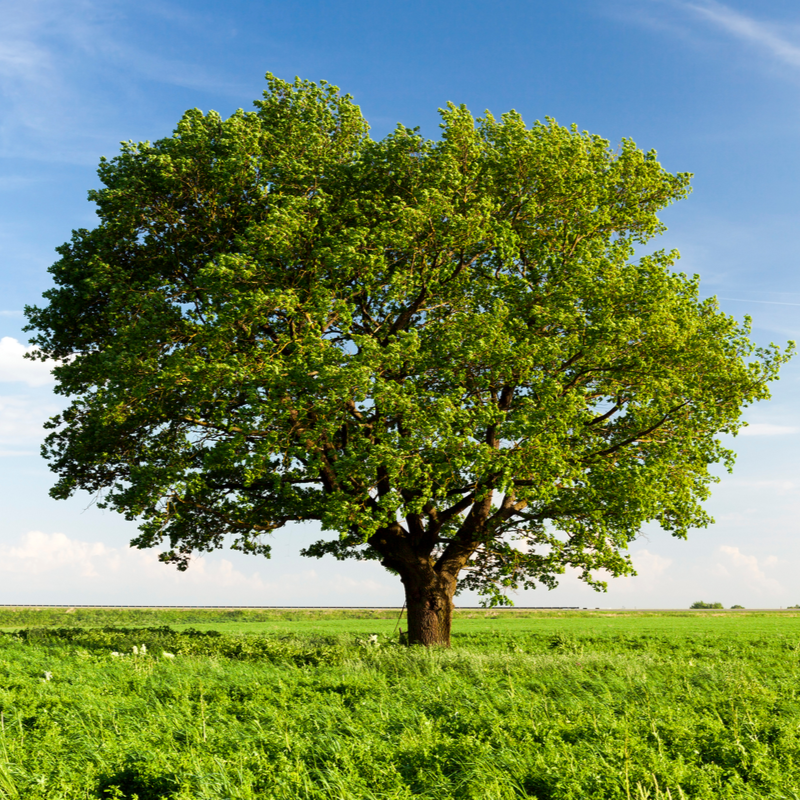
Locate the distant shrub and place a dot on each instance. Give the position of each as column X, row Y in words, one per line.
column 737, row 606
column 701, row 604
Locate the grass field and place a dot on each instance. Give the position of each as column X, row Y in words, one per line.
column 304, row 704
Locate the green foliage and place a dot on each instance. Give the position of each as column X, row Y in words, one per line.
column 603, row 706
column 124, row 642
column 737, row 606
column 701, row 604
column 443, row 351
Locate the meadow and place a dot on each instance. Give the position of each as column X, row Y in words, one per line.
column 212, row 703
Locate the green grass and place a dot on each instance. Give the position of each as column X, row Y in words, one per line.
column 546, row 705
column 316, row 620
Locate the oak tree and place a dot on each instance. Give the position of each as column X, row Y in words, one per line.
column 446, row 352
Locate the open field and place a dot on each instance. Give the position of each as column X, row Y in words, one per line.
column 343, row 620
column 302, row 704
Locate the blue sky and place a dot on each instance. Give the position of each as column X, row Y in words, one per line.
column 713, row 87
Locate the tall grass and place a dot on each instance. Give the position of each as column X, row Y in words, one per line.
column 552, row 715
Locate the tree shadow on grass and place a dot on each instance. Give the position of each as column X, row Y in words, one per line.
column 136, row 781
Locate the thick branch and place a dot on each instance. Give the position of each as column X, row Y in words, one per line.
column 405, row 316
column 608, row 451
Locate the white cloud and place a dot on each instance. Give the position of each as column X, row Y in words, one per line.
column 14, row 367
column 745, row 569
column 64, row 558
column 765, row 429
column 22, row 416
column 652, row 575
column 342, row 584
column 40, row 553
column 55, row 567
column 650, row 565
column 21, row 422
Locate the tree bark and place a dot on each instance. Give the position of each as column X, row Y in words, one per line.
column 429, row 606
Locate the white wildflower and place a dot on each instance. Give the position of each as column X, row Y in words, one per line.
column 168, row 655
column 143, row 650
column 48, row 675
column 114, row 654
column 135, row 650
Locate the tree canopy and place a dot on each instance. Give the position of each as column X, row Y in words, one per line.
column 447, row 352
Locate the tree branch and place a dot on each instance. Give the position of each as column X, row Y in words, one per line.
column 608, row 451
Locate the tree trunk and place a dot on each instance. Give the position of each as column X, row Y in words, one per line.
column 429, row 607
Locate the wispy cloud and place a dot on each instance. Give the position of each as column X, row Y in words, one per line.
column 696, row 21
column 40, row 44
column 779, row 486
column 765, row 429
column 760, row 302
column 769, row 37
column 70, row 72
